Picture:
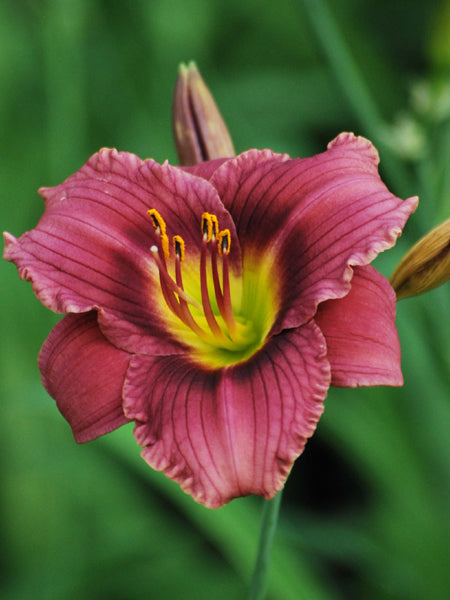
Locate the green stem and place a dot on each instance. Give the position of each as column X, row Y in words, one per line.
column 268, row 527
column 343, row 65
column 355, row 89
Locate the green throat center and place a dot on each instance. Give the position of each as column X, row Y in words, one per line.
column 222, row 319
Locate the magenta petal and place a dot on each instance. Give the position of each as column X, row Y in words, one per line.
column 205, row 169
column 321, row 215
column 84, row 373
column 91, row 248
column 231, row 432
column 244, row 185
column 182, row 198
column 93, row 232
column 362, row 341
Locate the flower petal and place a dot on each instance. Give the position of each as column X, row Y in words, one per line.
column 320, row 214
column 362, row 341
column 182, row 198
column 205, row 169
column 90, row 249
column 235, row 431
column 84, row 373
column 243, row 184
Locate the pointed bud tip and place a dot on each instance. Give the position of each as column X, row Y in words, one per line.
column 426, row 266
column 184, row 69
column 199, row 130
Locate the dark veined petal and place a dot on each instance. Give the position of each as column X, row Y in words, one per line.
column 362, row 340
column 91, row 248
column 84, row 373
column 205, row 169
column 235, row 431
column 182, row 198
column 321, row 214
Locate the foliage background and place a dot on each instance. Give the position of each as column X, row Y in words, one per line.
column 365, row 510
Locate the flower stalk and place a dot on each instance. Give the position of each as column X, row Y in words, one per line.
column 269, row 522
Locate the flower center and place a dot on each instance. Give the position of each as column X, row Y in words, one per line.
column 222, row 318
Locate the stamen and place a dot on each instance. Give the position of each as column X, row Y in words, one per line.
column 214, row 227
column 178, row 246
column 216, row 281
column 224, row 244
column 170, row 283
column 224, row 241
column 168, row 294
column 160, row 227
column 207, row 226
column 158, row 221
column 178, row 243
column 179, row 307
column 209, row 315
column 210, row 230
column 210, row 226
column 177, row 300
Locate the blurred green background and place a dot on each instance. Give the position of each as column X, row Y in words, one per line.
column 365, row 511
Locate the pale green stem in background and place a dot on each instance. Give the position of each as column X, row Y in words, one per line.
column 232, row 528
column 355, row 89
column 268, row 526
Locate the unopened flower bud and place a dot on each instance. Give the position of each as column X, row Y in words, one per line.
column 426, row 265
column 199, row 130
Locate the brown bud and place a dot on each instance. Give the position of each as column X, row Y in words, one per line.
column 426, row 265
column 199, row 130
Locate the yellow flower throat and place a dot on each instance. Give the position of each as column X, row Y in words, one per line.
column 223, row 319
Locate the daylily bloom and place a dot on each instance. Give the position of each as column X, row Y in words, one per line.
column 214, row 305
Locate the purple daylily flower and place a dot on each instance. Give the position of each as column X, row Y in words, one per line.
column 214, row 305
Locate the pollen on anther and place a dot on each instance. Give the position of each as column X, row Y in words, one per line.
column 224, row 241
column 214, row 226
column 210, row 226
column 178, row 244
column 158, row 221
column 160, row 227
column 206, row 226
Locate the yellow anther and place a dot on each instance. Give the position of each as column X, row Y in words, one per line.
column 214, row 226
column 224, row 241
column 210, row 226
column 178, row 244
column 207, row 226
column 160, row 227
column 158, row 221
column 165, row 246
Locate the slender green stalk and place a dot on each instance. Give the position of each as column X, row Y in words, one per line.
column 344, row 67
column 354, row 87
column 268, row 526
